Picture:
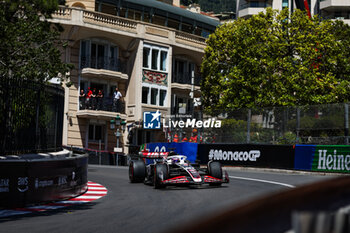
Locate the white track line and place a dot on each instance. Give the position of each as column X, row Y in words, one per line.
column 264, row 181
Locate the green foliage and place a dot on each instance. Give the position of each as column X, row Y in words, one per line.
column 28, row 42
column 276, row 59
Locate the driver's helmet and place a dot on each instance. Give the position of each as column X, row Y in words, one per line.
column 175, row 160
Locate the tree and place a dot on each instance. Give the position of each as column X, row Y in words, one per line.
column 28, row 42
column 276, row 59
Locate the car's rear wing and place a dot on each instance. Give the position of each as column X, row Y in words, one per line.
column 153, row 155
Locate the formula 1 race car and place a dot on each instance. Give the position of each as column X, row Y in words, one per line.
column 172, row 169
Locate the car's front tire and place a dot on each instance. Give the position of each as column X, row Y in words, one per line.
column 215, row 170
column 160, row 173
column 137, row 171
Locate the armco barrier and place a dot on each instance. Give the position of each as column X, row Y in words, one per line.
column 33, row 179
column 322, row 158
column 270, row 156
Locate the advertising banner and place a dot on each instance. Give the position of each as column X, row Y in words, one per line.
column 331, row 158
column 254, row 155
column 184, row 148
column 304, row 156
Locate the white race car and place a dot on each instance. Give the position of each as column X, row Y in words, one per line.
column 171, row 169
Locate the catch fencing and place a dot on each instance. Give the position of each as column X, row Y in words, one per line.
column 31, row 116
column 319, row 124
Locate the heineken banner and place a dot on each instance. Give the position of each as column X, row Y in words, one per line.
column 324, row 158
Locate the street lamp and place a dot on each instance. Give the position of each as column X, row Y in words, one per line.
column 117, row 124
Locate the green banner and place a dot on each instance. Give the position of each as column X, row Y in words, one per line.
column 331, row 158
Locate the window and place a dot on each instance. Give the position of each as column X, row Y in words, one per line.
column 145, row 95
column 163, row 60
column 155, row 53
column 284, row 4
column 96, row 133
column 99, row 54
column 146, row 52
column 155, row 58
column 162, row 95
column 154, row 95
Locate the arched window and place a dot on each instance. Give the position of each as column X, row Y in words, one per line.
column 79, row 5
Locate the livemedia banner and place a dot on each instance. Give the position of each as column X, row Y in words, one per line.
column 252, row 155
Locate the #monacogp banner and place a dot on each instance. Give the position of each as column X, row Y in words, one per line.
column 254, row 155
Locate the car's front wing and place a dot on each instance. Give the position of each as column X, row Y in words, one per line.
column 205, row 179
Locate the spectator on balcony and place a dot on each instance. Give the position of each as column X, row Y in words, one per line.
column 82, row 99
column 88, row 98
column 93, row 98
column 99, row 98
column 116, row 100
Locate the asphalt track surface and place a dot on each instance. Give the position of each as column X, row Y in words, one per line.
column 134, row 208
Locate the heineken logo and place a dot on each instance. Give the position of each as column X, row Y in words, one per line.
column 331, row 161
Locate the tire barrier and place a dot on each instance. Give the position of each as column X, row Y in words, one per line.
column 274, row 213
column 37, row 178
column 254, row 155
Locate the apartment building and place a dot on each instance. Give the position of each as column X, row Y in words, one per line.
column 150, row 50
column 330, row 9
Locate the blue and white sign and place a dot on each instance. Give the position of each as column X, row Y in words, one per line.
column 151, row 120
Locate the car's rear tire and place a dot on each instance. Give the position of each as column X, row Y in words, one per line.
column 160, row 173
column 137, row 171
column 215, row 170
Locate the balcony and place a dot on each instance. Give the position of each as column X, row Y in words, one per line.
column 123, row 26
column 252, row 8
column 104, row 67
column 333, row 5
column 186, row 79
column 101, row 108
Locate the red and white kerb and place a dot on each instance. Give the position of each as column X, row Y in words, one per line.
column 95, row 191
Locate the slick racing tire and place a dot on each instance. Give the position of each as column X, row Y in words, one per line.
column 215, row 170
column 160, row 173
column 137, row 171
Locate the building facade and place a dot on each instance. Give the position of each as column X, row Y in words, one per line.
column 150, row 50
column 329, row 9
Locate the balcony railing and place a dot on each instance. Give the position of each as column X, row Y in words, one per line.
column 106, row 63
column 186, row 79
column 255, row 5
column 120, row 23
column 101, row 104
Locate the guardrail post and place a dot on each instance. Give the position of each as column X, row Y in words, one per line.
column 298, row 125
column 249, row 116
column 346, row 123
